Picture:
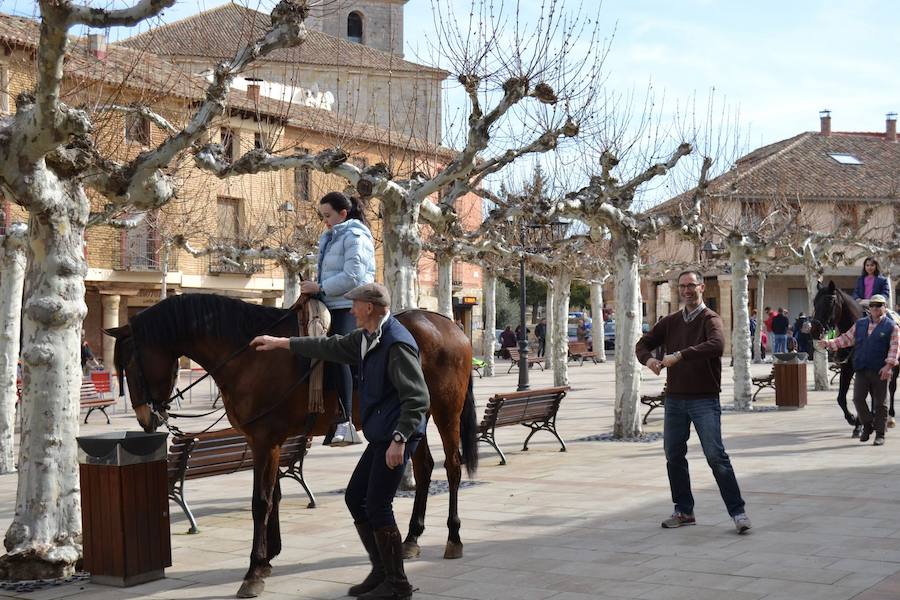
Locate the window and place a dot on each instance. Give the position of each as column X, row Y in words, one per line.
column 227, row 141
column 846, row 216
column 301, row 182
column 4, row 89
column 845, row 159
column 355, row 27
column 137, row 129
column 229, row 218
column 260, row 141
column 752, row 214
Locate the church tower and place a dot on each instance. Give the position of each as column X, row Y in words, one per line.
column 374, row 23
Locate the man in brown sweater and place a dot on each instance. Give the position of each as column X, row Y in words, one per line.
column 693, row 343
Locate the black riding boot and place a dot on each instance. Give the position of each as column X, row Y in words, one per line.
column 395, row 585
column 376, row 576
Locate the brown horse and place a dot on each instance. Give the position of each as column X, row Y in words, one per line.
column 263, row 401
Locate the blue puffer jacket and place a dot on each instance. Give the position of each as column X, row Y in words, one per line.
column 346, row 260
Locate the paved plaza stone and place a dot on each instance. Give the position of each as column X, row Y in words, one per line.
column 580, row 525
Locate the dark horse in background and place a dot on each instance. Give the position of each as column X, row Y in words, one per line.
column 833, row 307
column 264, row 402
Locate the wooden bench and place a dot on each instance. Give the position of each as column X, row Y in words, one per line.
column 535, row 409
column 761, row 383
column 222, row 452
column 653, row 401
column 579, row 351
column 92, row 400
column 514, row 357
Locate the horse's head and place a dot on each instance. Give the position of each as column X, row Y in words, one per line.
column 826, row 310
column 150, row 374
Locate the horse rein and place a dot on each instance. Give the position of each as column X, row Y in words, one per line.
column 179, row 393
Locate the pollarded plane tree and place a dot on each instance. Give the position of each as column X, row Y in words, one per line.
column 607, row 204
column 12, row 267
column 749, row 236
column 520, row 82
column 48, row 164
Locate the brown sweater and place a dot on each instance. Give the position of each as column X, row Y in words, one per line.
column 699, row 372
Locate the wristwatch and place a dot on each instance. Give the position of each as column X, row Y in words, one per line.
column 398, row 437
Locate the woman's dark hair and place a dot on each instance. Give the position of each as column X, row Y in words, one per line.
column 339, row 202
column 877, row 268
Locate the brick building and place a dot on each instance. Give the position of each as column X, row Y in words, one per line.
column 125, row 267
column 836, row 177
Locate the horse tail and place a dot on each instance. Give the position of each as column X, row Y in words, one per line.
column 468, row 431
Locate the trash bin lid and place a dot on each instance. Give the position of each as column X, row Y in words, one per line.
column 122, row 447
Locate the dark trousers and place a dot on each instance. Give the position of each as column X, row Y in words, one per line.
column 706, row 415
column 343, row 322
column 372, row 487
column 541, row 346
column 868, row 382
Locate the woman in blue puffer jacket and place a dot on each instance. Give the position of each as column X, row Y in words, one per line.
column 346, row 261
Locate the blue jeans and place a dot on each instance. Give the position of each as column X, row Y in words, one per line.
column 342, row 322
column 706, row 415
column 372, row 487
column 779, row 342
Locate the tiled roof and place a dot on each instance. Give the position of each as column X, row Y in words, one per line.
column 219, row 32
column 157, row 77
column 801, row 167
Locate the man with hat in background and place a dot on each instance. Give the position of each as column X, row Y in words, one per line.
column 876, row 338
column 393, row 403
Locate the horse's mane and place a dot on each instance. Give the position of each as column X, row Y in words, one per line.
column 181, row 318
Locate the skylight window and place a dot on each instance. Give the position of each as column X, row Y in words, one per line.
column 845, row 159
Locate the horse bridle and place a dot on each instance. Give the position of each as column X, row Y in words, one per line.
column 157, row 409
column 832, row 320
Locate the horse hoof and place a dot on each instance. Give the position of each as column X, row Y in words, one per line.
column 891, row 422
column 856, row 431
column 411, row 550
column 251, row 589
column 453, row 550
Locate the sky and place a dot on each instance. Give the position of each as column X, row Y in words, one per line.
column 774, row 63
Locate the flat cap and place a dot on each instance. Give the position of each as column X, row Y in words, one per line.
column 877, row 298
column 370, row 292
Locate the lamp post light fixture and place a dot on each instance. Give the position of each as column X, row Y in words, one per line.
column 533, row 238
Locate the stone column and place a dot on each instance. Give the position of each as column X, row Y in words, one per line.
column 110, row 304
column 724, row 305
column 650, row 301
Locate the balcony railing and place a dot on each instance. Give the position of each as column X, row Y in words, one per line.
column 142, row 259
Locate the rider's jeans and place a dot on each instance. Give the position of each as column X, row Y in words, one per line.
column 779, row 342
column 706, row 415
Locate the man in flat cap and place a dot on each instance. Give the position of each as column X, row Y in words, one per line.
column 393, row 403
column 876, row 338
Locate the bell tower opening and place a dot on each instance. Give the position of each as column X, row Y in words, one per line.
column 355, row 27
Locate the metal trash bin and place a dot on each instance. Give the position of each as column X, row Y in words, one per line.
column 124, row 507
column 790, row 379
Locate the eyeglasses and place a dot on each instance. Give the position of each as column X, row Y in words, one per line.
column 876, row 305
column 688, row 286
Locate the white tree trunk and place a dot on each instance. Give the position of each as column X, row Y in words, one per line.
column 489, row 293
column 163, row 276
column 44, row 539
column 402, row 248
column 445, row 284
column 820, row 357
column 626, row 258
column 559, row 348
column 291, row 285
column 551, row 326
column 598, row 331
column 760, row 317
column 740, row 323
column 12, row 280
